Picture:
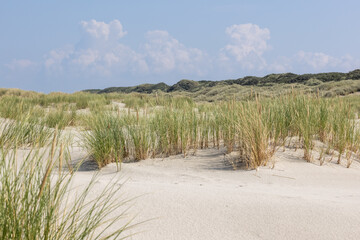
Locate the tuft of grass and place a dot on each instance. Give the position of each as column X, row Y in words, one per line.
column 35, row 202
column 61, row 118
column 24, row 132
column 254, row 135
column 106, row 141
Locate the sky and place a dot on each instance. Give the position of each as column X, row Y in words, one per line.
column 69, row 46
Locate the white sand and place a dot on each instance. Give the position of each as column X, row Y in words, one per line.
column 198, row 197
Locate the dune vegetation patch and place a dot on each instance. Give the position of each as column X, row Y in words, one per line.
column 122, row 127
column 255, row 129
column 37, row 199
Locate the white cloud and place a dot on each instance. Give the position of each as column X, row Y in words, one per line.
column 248, row 42
column 164, row 53
column 55, row 58
column 320, row 61
column 20, row 64
column 101, row 53
column 86, row 57
column 113, row 60
column 313, row 62
column 102, row 30
column 317, row 60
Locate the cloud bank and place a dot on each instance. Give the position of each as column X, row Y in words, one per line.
column 101, row 53
column 102, row 58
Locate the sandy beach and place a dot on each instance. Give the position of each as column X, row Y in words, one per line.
column 202, row 197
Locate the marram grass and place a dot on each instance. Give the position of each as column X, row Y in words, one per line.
column 255, row 129
column 162, row 125
column 36, row 203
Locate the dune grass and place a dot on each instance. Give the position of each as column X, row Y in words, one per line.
column 254, row 128
column 106, row 140
column 36, row 199
column 62, row 117
column 24, row 132
column 162, row 125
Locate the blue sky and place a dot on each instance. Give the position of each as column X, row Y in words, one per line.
column 74, row 45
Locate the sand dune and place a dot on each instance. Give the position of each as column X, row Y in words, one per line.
column 202, row 197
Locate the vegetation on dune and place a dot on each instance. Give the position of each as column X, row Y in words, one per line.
column 54, row 109
column 329, row 84
column 24, row 132
column 253, row 117
column 106, row 140
column 254, row 128
column 36, row 201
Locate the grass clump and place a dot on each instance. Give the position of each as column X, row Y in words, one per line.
column 61, row 118
column 14, row 107
column 106, row 141
column 254, row 135
column 35, row 203
column 24, row 133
